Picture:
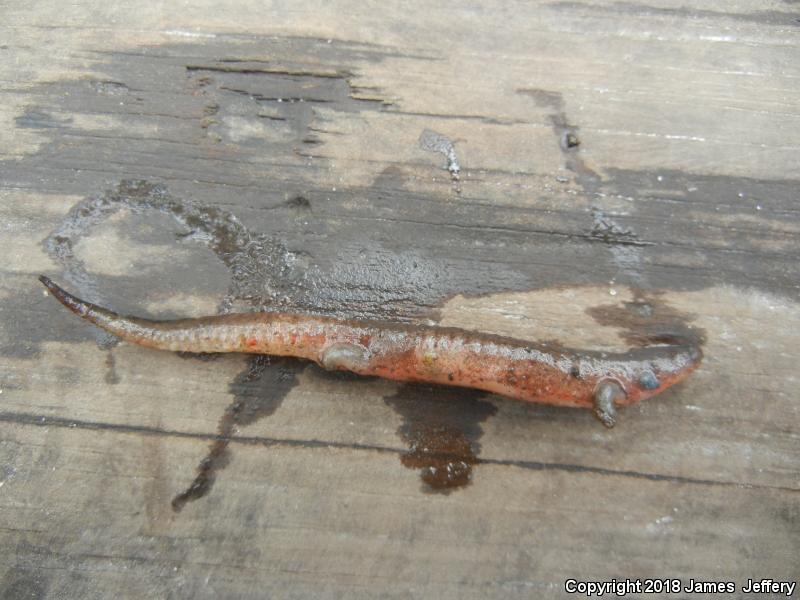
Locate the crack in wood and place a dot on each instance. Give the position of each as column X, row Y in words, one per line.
column 265, row 71
column 29, row 419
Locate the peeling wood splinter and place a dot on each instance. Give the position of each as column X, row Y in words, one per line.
column 515, row 368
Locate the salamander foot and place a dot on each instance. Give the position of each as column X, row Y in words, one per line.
column 605, row 396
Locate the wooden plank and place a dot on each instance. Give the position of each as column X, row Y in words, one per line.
column 627, row 171
column 269, row 533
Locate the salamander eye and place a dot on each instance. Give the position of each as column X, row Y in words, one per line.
column 648, row 380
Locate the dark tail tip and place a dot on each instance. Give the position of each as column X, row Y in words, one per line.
column 48, row 283
column 73, row 303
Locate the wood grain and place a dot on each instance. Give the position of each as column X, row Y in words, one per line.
column 625, row 170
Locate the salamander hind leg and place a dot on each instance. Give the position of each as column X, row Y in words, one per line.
column 344, row 357
column 606, row 394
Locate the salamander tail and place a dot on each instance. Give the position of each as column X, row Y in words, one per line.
column 75, row 304
column 102, row 317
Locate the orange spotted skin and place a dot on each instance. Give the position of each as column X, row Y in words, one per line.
column 515, row 368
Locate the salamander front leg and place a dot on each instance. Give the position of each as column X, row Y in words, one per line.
column 606, row 395
column 344, row 357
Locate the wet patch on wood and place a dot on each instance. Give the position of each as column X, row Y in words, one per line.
column 648, row 320
column 257, row 393
column 442, row 427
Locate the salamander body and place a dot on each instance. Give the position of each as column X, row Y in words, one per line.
column 514, row 368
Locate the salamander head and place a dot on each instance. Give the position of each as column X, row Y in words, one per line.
column 647, row 372
column 660, row 368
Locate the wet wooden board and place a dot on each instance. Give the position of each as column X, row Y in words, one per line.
column 599, row 174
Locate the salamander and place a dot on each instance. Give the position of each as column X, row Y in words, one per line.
column 519, row 369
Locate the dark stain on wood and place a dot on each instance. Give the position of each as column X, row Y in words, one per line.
column 647, row 320
column 567, row 136
column 258, row 392
column 376, row 226
column 442, row 427
column 111, row 376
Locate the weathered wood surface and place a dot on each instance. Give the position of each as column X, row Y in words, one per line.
column 171, row 160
